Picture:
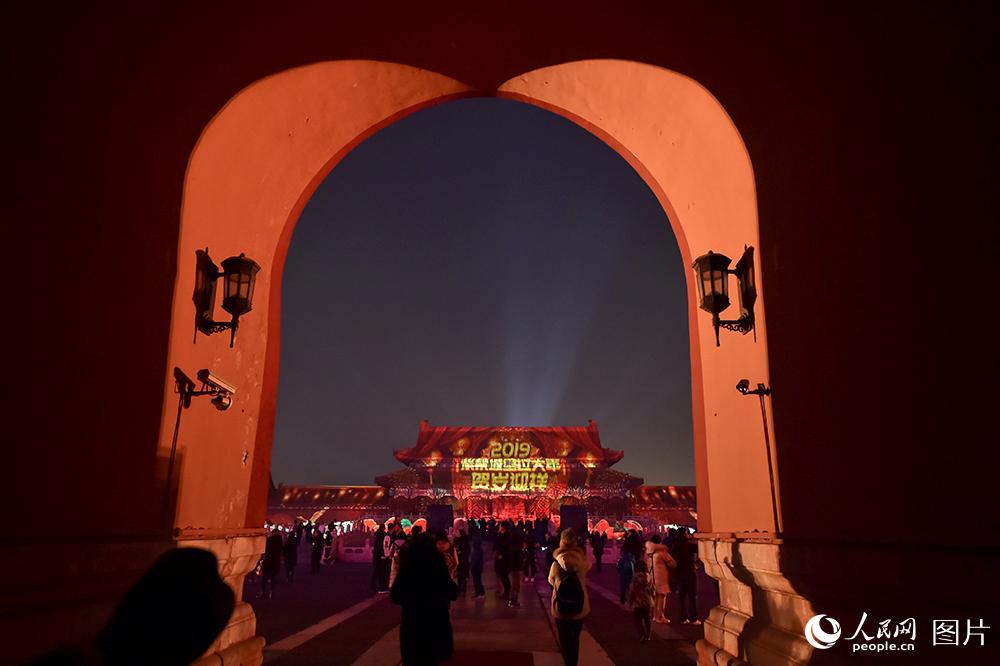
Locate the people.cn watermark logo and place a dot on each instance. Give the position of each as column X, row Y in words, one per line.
column 822, row 632
column 817, row 636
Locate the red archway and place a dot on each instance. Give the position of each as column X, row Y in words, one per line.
column 259, row 161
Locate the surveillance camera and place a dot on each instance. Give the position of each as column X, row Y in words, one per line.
column 215, row 383
column 222, row 401
column 743, row 386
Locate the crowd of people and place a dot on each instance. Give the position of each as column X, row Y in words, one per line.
column 282, row 547
column 513, row 546
column 425, row 571
column 650, row 570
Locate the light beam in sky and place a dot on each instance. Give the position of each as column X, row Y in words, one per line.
column 482, row 262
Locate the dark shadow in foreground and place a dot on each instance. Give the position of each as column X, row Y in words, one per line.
column 169, row 617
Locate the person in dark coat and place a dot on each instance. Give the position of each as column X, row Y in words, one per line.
column 626, row 569
column 685, row 552
column 378, row 554
column 291, row 555
column 425, row 590
column 501, row 559
column 317, row 551
column 634, row 545
column 272, row 563
column 551, row 543
column 476, row 561
column 597, row 545
column 530, row 548
column 516, row 563
column 462, row 549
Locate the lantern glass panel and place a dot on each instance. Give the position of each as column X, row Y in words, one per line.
column 720, row 285
column 232, row 284
column 245, row 285
column 705, row 284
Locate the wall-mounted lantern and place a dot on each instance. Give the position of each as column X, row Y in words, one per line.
column 239, row 275
column 712, row 271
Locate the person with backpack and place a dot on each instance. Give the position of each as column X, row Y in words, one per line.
column 570, row 601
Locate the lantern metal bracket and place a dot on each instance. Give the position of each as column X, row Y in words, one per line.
column 743, row 325
column 211, row 327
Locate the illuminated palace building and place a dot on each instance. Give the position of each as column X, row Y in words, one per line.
column 499, row 472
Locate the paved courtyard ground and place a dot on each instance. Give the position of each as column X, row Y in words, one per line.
column 333, row 618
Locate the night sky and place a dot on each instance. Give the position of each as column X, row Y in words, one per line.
column 482, row 262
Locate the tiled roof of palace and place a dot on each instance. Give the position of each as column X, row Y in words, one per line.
column 573, row 443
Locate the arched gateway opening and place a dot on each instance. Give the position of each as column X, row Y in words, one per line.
column 259, row 161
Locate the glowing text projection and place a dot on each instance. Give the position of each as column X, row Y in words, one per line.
column 509, row 467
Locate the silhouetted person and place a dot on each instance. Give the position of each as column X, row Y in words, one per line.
column 316, row 555
column 425, row 590
column 551, row 544
column 626, row 567
column 378, row 554
column 530, row 548
column 170, row 617
column 685, row 553
column 462, row 549
column 597, row 545
column 476, row 562
column 501, row 560
column 515, row 562
column 330, row 543
column 272, row 563
column 291, row 556
column 634, row 544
